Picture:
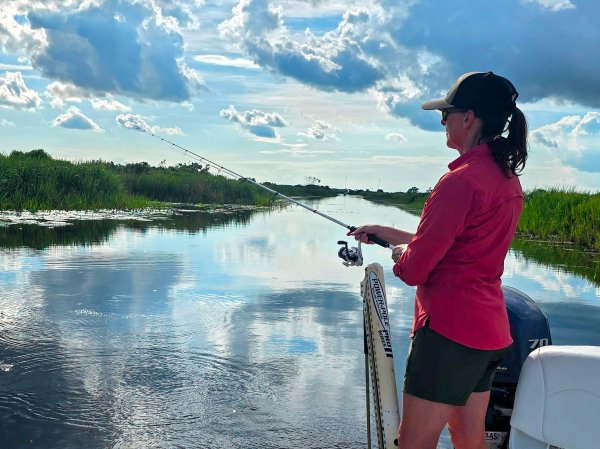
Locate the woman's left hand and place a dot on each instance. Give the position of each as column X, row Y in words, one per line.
column 397, row 252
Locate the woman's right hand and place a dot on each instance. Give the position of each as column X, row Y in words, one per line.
column 361, row 233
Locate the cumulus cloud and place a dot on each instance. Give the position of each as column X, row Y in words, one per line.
column 109, row 104
column 16, row 35
column 396, row 137
column 117, row 46
column 59, row 93
column 539, row 64
column 75, row 119
column 573, row 139
column 549, row 135
column 258, row 123
column 335, row 61
column 184, row 12
column 14, row 93
column 139, row 123
column 320, row 131
column 402, row 52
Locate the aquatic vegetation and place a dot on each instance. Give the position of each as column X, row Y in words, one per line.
column 562, row 215
column 35, row 181
column 411, row 201
column 174, row 186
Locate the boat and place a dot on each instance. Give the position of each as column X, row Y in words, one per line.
column 543, row 396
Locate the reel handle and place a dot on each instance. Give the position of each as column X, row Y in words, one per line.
column 373, row 238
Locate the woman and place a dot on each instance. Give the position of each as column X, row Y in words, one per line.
column 456, row 257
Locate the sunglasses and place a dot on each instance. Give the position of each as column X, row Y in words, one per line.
column 447, row 112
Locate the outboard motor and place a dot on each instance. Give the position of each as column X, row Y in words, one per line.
column 529, row 330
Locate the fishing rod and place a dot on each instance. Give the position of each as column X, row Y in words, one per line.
column 351, row 256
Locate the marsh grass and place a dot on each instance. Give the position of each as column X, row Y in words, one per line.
column 189, row 187
column 562, row 215
column 412, row 202
column 35, row 181
column 305, row 191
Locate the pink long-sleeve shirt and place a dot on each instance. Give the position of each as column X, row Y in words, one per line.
column 457, row 255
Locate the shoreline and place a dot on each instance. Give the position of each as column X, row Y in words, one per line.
column 55, row 218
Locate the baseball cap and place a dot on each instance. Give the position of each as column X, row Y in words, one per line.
column 486, row 93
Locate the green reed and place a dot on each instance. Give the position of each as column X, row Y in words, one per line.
column 35, row 181
column 412, row 202
column 180, row 185
column 562, row 215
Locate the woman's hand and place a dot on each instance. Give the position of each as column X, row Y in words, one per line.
column 397, row 252
column 391, row 235
column 361, row 233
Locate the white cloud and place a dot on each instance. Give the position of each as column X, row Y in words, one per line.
column 553, row 5
column 396, row 137
column 563, row 130
column 58, row 93
column 394, row 48
column 258, row 123
column 335, row 61
column 573, row 140
column 14, row 93
column 75, row 119
column 109, row 104
column 4, row 122
column 16, row 35
column 320, row 131
column 589, row 125
column 129, row 48
column 226, row 61
column 17, row 67
column 138, row 123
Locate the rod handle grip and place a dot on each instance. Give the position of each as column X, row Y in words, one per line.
column 373, row 238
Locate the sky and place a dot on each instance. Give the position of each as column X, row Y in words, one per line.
column 295, row 90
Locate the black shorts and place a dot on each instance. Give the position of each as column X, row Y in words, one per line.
column 441, row 370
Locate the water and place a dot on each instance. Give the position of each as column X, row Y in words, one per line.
column 229, row 330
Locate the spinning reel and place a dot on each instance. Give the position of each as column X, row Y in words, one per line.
column 352, row 257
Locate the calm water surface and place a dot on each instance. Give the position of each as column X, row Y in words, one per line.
column 217, row 331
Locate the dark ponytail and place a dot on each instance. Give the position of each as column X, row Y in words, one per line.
column 510, row 152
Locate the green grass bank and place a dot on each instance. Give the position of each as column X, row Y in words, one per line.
column 35, row 181
column 564, row 216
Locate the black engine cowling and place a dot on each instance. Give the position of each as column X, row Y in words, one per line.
column 529, row 329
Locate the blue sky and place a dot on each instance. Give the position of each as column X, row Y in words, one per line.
column 285, row 90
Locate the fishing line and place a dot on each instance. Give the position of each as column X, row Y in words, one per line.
column 351, row 256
